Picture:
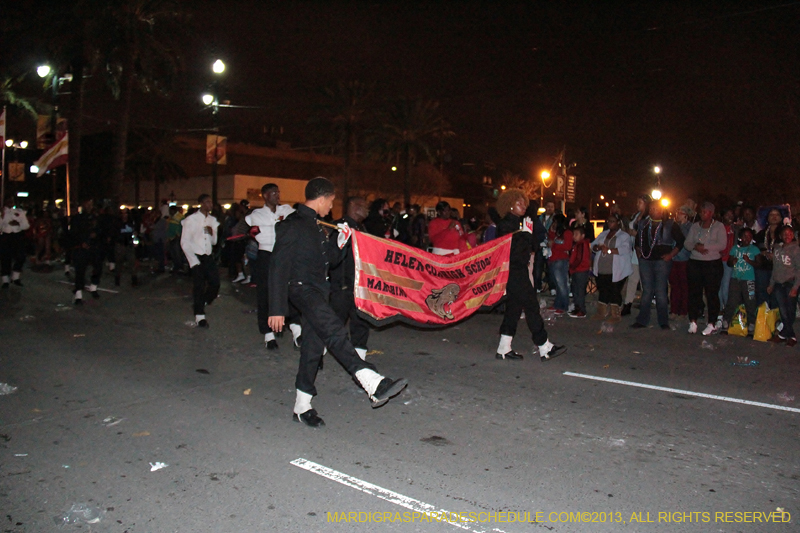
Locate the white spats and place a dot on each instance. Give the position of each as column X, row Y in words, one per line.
column 14, row 275
column 369, row 379
column 5, row 279
column 269, row 337
column 544, row 349
column 79, row 295
column 92, row 288
column 296, row 331
column 505, row 344
column 302, row 402
column 198, row 318
column 362, row 353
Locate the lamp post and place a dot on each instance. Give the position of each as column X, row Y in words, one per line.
column 44, row 71
column 656, row 194
column 213, row 100
column 544, row 175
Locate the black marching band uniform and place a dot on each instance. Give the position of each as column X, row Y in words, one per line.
column 85, row 239
column 521, row 294
column 299, row 266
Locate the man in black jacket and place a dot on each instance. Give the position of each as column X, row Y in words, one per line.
column 299, row 266
column 86, row 239
column 343, row 279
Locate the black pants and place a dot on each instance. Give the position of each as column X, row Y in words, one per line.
column 321, row 328
column 83, row 258
column 522, row 297
column 704, row 276
column 205, row 281
column 344, row 305
column 609, row 292
column 260, row 272
column 12, row 252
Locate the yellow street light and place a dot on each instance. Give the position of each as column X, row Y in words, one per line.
column 502, row 187
column 665, row 202
column 545, row 174
column 657, row 169
column 655, row 194
column 602, row 197
column 394, row 169
column 606, row 204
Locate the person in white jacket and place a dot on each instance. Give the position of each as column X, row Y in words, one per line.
column 612, row 266
column 199, row 235
column 13, row 224
column 706, row 241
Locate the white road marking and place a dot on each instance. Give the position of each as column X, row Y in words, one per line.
column 384, row 494
column 686, row 392
column 86, row 287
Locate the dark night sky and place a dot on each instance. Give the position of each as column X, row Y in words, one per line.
column 709, row 90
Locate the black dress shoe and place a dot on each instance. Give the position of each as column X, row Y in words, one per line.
column 272, row 345
column 510, row 355
column 5, row 285
column 554, row 352
column 387, row 389
column 321, row 363
column 203, row 324
column 117, row 281
column 134, row 281
column 637, row 325
column 17, row 282
column 78, row 301
column 309, row 418
column 95, row 295
column 626, row 310
column 666, row 327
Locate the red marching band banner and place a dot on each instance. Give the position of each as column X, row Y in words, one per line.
column 394, row 281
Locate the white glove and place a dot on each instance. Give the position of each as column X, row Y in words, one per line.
column 344, row 234
column 527, row 225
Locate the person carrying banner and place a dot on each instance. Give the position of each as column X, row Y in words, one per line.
column 343, row 278
column 299, row 266
column 521, row 295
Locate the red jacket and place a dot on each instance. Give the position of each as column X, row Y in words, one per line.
column 561, row 250
column 581, row 258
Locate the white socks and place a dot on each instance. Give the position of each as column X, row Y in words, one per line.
column 79, row 295
column 198, row 318
column 14, row 276
column 369, row 379
column 545, row 348
column 296, row 331
column 92, row 288
column 269, row 337
column 5, row 279
column 505, row 344
column 362, row 353
column 111, row 267
column 302, row 402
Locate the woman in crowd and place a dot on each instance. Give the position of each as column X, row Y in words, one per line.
column 678, row 282
column 444, row 232
column 766, row 240
column 658, row 241
column 612, row 265
column 784, row 284
column 706, row 241
column 642, row 204
column 560, row 240
column 582, row 220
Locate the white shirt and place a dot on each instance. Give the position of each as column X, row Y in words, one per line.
column 194, row 240
column 621, row 265
column 265, row 219
column 9, row 215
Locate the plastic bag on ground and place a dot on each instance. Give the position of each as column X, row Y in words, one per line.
column 80, row 513
column 738, row 325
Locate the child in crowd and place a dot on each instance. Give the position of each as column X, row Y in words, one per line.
column 580, row 263
column 785, row 283
column 742, row 285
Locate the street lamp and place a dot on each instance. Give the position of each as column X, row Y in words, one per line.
column 656, row 194
column 218, row 67
column 665, row 202
column 545, row 174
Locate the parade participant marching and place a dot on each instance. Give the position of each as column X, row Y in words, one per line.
column 343, row 279
column 298, row 273
column 13, row 225
column 124, row 240
column 198, row 238
column 521, row 295
column 85, row 239
column 262, row 227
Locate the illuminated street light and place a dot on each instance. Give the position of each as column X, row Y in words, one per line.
column 602, row 197
column 502, row 187
column 9, row 142
column 657, row 169
column 218, row 67
column 655, row 194
column 34, row 169
column 43, row 71
column 394, row 169
column 665, row 202
column 23, row 144
column 208, row 99
column 545, row 175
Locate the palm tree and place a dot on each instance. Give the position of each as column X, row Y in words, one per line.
column 137, row 39
column 406, row 134
column 152, row 156
column 346, row 111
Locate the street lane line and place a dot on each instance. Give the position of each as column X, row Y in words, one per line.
column 686, row 392
column 98, row 288
column 380, row 492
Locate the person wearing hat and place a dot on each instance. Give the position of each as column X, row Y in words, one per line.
column 632, row 227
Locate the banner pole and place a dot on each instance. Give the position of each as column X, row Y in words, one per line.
column 68, row 198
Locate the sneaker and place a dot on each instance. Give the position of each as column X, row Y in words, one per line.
column 552, row 292
column 309, row 418
column 238, row 278
column 387, row 389
column 246, row 281
column 577, row 314
column 777, row 339
column 710, row 330
column 514, row 356
column 718, row 323
column 560, row 312
column 692, row 327
column 791, row 342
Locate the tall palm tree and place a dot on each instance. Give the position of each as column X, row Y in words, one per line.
column 347, row 110
column 407, row 132
column 137, row 37
column 152, row 156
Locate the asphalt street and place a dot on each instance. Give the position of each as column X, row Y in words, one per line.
column 108, row 390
